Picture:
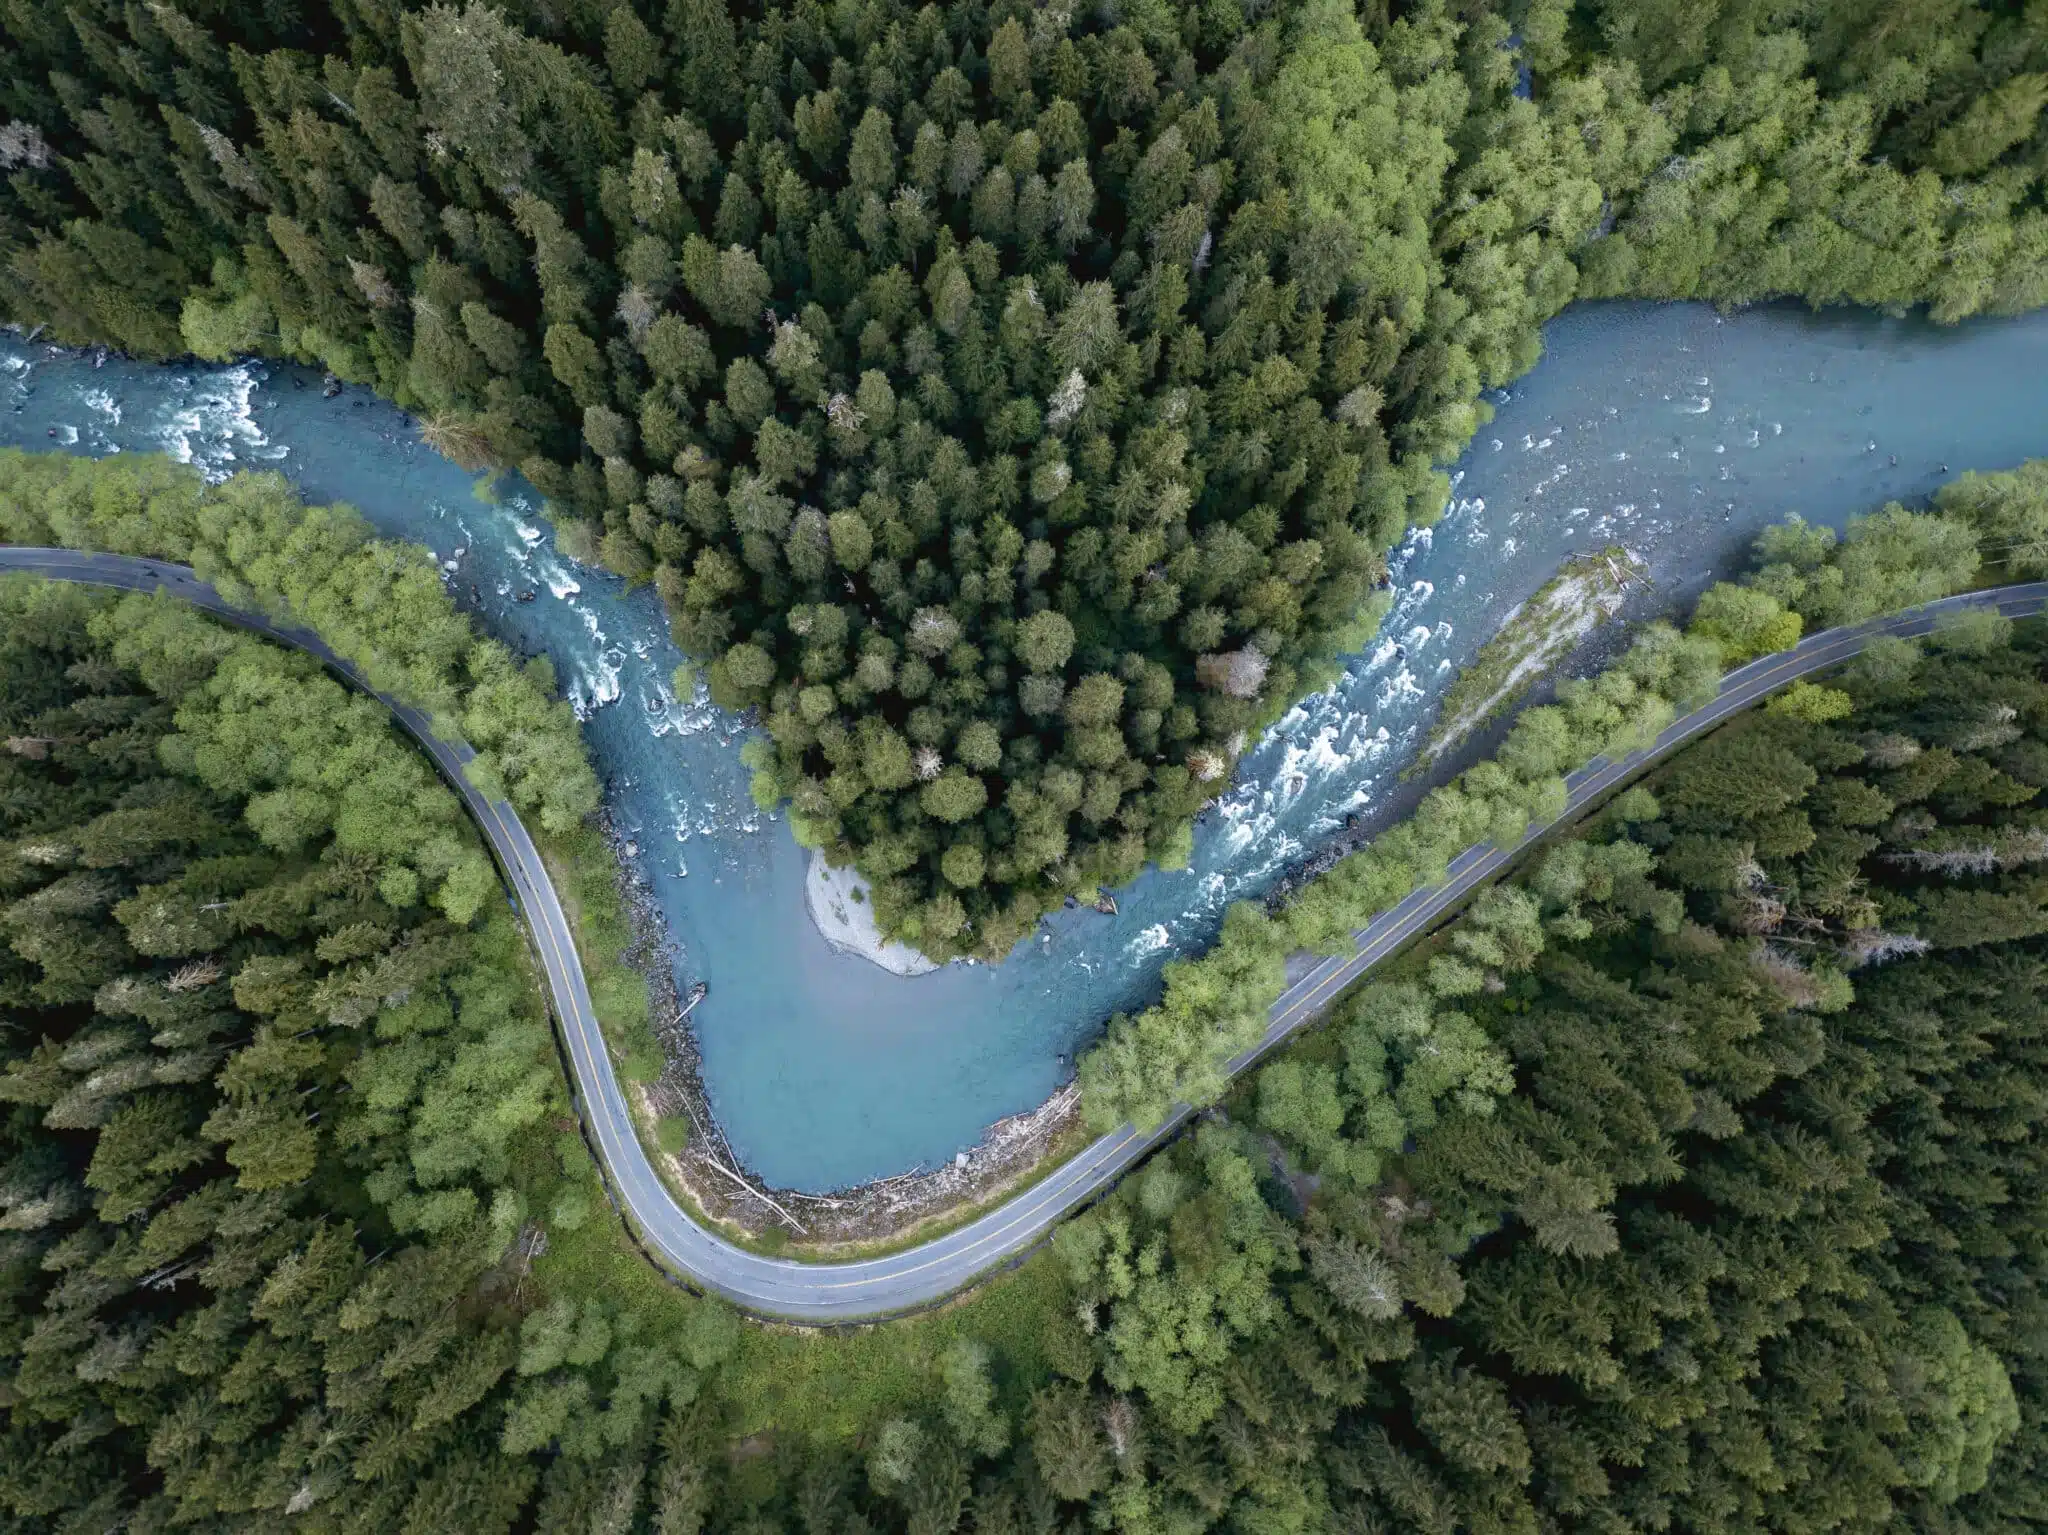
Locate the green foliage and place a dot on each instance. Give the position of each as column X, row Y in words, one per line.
column 1770, row 1030
column 1812, row 703
column 1702, row 1183
column 1744, row 621
column 967, row 1400
column 1960, row 1392
column 2007, row 512
column 1891, row 559
column 1088, row 342
column 1183, row 1297
column 281, row 1091
column 378, row 605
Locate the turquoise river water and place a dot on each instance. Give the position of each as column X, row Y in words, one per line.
column 1670, row 429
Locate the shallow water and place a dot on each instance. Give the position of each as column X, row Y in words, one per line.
column 1669, row 429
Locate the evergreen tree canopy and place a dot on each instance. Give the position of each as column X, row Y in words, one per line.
column 872, row 332
column 278, row 1110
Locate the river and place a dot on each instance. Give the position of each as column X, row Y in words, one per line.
column 1670, row 429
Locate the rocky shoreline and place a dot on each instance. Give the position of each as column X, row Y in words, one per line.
column 1587, row 590
column 714, row 1178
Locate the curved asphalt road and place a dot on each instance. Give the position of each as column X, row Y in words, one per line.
column 876, row 1287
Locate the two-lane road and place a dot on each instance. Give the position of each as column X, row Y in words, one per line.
column 842, row 1292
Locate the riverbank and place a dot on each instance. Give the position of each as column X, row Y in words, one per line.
column 700, row 1165
column 869, row 1219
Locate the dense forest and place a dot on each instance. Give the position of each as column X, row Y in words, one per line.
column 1989, row 527
column 1011, row 400
column 281, row 1128
column 1693, row 1180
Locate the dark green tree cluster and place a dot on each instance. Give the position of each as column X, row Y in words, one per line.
column 280, row 1125
column 1217, row 1005
column 1009, row 399
column 1693, row 1183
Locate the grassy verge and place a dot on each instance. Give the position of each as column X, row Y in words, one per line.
column 828, row 1383
column 589, row 883
column 819, row 1383
column 587, row 878
column 834, row 1384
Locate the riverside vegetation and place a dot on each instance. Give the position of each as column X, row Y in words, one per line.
column 377, row 603
column 1011, row 400
column 1692, row 1179
column 1216, row 1006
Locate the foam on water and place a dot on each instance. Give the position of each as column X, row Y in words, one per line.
column 1398, row 689
column 1151, row 941
column 823, row 1069
column 103, row 405
column 210, row 423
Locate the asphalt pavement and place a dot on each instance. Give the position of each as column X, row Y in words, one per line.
column 917, row 1276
